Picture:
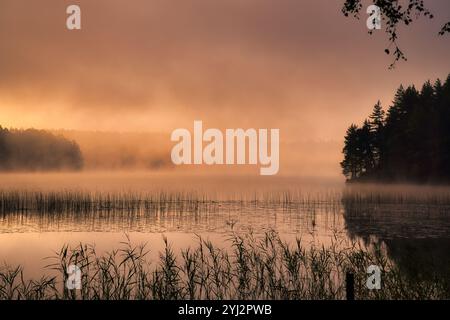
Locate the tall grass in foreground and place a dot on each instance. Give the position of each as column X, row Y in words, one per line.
column 254, row 268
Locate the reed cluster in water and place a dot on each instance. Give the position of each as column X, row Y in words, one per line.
column 351, row 200
column 58, row 202
column 253, row 268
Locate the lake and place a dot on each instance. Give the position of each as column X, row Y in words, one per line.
column 39, row 213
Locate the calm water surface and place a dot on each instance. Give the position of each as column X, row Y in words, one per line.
column 412, row 222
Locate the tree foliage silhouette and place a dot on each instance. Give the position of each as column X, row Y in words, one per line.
column 411, row 142
column 394, row 14
column 33, row 150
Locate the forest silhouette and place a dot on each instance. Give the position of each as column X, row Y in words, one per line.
column 37, row 150
column 410, row 142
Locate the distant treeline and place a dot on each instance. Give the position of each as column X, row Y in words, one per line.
column 109, row 150
column 36, row 150
column 408, row 143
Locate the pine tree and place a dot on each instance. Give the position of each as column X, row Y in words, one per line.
column 351, row 163
column 365, row 139
column 377, row 128
column 412, row 142
column 377, row 117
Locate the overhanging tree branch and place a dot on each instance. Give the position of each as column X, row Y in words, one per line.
column 394, row 15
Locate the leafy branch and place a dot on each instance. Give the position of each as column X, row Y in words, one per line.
column 394, row 15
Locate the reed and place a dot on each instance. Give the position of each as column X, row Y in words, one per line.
column 59, row 203
column 251, row 267
column 352, row 198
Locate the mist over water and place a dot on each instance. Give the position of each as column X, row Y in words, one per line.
column 100, row 208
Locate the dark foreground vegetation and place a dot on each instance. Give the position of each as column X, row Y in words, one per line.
column 36, row 150
column 252, row 268
column 408, row 143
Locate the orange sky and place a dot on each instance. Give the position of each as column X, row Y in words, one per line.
column 156, row 65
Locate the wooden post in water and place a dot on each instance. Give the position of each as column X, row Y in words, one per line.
column 350, row 286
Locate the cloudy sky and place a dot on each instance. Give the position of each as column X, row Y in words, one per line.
column 156, row 65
